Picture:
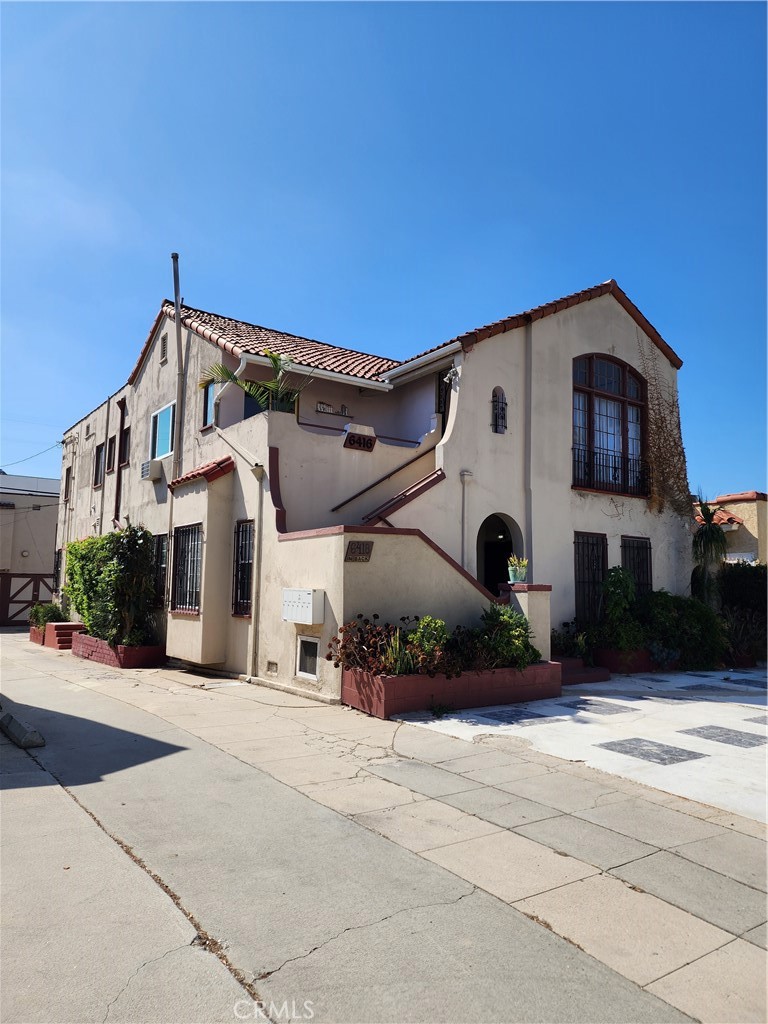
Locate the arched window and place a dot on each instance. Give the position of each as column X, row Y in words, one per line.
column 609, row 423
column 498, row 411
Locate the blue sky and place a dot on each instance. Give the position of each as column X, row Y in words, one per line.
column 382, row 176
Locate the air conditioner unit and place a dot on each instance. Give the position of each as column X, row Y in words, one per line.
column 152, row 470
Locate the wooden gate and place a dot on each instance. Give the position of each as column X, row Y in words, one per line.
column 19, row 592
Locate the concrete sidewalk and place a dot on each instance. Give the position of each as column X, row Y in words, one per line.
column 379, row 872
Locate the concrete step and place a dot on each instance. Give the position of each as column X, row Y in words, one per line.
column 58, row 635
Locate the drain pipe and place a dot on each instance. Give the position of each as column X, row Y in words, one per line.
column 258, row 472
column 177, row 418
column 463, row 476
column 179, row 369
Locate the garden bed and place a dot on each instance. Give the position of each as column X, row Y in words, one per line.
column 36, row 635
column 384, row 696
column 93, row 649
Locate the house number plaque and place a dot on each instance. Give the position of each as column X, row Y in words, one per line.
column 360, row 442
column 359, row 551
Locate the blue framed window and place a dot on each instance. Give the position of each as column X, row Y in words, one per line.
column 163, row 422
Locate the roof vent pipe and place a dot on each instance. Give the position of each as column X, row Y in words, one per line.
column 179, row 370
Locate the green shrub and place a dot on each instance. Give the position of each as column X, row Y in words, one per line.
column 110, row 582
column 427, row 643
column 682, row 626
column 619, row 628
column 745, row 631
column 570, row 641
column 508, row 638
column 743, row 585
column 41, row 614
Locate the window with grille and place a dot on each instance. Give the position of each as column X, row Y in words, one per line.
column 498, row 411
column 636, row 558
column 187, row 565
column 161, row 567
column 242, row 573
column 590, row 568
column 608, row 427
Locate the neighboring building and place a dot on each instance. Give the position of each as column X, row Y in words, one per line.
column 28, row 513
column 744, row 520
column 394, row 487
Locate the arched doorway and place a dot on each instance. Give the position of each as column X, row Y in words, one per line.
column 497, row 539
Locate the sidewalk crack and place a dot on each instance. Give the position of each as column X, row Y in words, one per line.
column 140, row 968
column 359, row 927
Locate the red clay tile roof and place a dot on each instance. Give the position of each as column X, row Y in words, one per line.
column 722, row 517
column 470, row 338
column 741, row 496
column 209, row 471
column 240, row 337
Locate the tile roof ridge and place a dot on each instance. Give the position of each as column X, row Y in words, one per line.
column 278, row 330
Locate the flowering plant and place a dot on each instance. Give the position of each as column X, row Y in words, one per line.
column 520, row 564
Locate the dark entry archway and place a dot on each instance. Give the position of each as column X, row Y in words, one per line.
column 497, row 539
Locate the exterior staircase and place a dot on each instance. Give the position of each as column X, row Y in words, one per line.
column 575, row 671
column 58, row 635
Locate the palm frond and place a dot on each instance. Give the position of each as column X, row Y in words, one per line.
column 278, row 392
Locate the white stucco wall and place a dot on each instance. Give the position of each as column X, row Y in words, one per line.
column 545, row 506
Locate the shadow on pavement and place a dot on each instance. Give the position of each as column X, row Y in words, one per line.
column 93, row 749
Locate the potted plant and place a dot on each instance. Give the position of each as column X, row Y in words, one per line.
column 518, row 569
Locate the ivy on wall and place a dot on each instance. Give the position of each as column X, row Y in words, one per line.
column 665, row 450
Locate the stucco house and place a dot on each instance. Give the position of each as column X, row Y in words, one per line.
column 28, row 513
column 743, row 517
column 392, row 487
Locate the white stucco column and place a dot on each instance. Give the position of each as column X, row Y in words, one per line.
column 532, row 599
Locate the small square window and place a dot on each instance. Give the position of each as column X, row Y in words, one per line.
column 306, row 656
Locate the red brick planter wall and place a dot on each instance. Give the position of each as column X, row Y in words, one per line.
column 624, row 661
column 88, row 647
column 384, row 696
column 36, row 635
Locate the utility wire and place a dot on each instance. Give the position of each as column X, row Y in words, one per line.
column 57, row 445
